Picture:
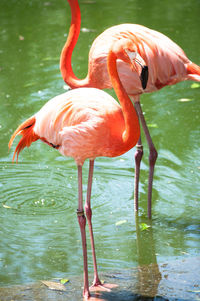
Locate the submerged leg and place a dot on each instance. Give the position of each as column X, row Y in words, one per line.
column 82, row 223
column 152, row 154
column 138, row 158
column 96, row 283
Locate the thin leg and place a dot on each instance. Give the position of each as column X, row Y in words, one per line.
column 82, row 223
column 88, row 213
column 138, row 158
column 152, row 154
column 96, row 282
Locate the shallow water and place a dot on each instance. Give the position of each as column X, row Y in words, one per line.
column 40, row 236
column 160, row 282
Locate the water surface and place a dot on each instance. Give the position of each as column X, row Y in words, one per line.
column 40, row 236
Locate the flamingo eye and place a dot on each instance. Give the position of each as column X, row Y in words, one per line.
column 131, row 54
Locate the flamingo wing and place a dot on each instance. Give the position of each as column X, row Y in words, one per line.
column 166, row 61
column 87, row 118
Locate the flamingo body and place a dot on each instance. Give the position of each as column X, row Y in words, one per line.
column 86, row 123
column 85, row 119
column 166, row 61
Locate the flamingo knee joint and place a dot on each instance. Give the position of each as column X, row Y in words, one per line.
column 80, row 212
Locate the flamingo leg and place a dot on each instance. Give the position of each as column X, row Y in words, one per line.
column 82, row 224
column 138, row 158
column 88, row 211
column 152, row 154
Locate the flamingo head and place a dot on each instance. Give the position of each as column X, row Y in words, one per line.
column 126, row 51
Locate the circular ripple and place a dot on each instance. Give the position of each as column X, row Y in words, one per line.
column 30, row 189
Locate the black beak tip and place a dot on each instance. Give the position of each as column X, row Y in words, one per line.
column 144, row 76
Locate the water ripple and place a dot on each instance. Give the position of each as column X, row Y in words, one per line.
column 29, row 189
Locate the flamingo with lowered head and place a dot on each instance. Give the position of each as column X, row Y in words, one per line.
column 166, row 61
column 86, row 123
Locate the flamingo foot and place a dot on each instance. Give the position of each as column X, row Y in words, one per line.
column 86, row 295
column 98, row 286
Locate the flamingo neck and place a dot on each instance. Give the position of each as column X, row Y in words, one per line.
column 131, row 133
column 66, row 54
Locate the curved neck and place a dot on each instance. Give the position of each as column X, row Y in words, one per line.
column 131, row 133
column 66, row 54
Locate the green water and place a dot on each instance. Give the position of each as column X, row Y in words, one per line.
column 39, row 233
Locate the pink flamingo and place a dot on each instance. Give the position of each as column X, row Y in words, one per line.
column 86, row 123
column 167, row 65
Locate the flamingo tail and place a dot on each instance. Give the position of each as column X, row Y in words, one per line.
column 193, row 72
column 28, row 136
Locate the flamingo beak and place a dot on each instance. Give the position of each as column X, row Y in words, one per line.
column 144, row 73
column 144, row 76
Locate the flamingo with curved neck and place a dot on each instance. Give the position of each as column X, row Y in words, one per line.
column 86, row 123
column 167, row 64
